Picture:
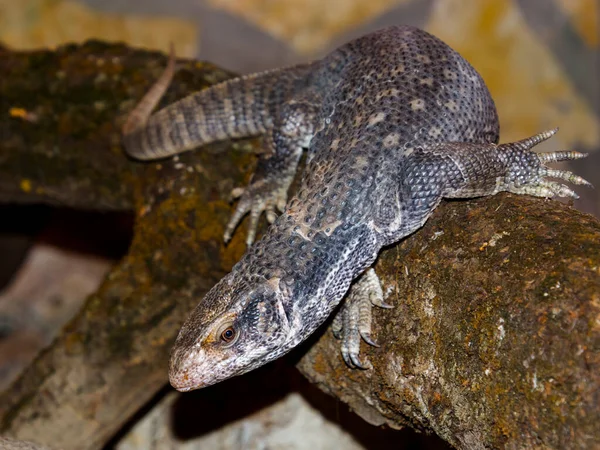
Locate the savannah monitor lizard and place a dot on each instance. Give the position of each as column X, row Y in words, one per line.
column 392, row 123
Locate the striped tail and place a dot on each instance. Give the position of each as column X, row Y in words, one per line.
column 241, row 107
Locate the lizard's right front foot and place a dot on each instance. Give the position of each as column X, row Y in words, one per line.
column 262, row 195
column 353, row 321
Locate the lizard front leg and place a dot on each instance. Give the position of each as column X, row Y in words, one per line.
column 267, row 190
column 353, row 321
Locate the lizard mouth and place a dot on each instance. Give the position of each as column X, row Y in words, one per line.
column 183, row 372
column 196, row 371
column 190, row 380
column 182, row 388
column 182, row 381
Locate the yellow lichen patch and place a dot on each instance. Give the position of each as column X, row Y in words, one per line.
column 26, row 185
column 584, row 15
column 531, row 90
column 17, row 112
column 41, row 23
column 136, row 360
column 307, row 25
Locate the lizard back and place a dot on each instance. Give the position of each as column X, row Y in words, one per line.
column 384, row 95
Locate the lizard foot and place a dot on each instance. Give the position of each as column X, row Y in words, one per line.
column 353, row 321
column 263, row 195
column 528, row 172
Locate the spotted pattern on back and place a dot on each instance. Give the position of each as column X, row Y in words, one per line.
column 390, row 92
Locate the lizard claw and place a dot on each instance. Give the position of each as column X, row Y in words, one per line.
column 530, row 173
column 352, row 360
column 566, row 175
column 366, row 335
column 353, row 321
column 264, row 195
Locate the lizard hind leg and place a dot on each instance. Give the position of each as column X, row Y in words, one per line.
column 353, row 321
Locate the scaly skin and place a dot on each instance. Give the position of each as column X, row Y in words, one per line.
column 393, row 122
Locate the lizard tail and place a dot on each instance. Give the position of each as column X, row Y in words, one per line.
column 241, row 107
column 138, row 117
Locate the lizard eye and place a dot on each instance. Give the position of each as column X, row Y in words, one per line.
column 228, row 335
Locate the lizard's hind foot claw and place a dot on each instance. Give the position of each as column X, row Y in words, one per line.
column 353, row 321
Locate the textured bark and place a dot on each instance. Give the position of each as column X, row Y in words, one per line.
column 493, row 341
column 11, row 444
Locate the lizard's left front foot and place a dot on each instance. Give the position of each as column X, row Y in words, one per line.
column 353, row 321
column 261, row 195
column 528, row 172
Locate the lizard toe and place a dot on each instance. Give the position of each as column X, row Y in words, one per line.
column 360, row 364
column 528, row 172
column 337, row 325
column 353, row 321
column 366, row 335
column 240, row 211
column 259, row 197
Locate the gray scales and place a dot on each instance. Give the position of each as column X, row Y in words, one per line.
column 392, row 122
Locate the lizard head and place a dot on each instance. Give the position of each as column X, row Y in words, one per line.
column 237, row 327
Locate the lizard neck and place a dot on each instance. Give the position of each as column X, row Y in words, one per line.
column 315, row 268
